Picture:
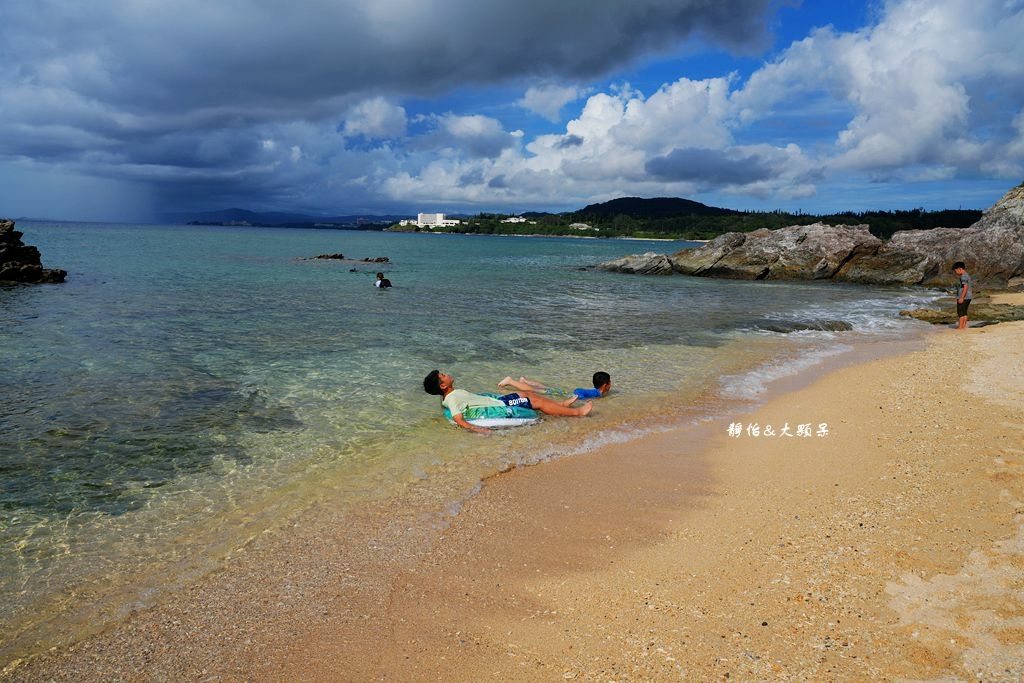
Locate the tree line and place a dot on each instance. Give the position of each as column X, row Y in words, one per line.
column 882, row 224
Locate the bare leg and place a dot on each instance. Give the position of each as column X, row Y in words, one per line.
column 518, row 385
column 962, row 323
column 549, row 407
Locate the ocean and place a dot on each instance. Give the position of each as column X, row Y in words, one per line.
column 189, row 387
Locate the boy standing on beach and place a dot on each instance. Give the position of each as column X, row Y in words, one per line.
column 964, row 294
column 456, row 401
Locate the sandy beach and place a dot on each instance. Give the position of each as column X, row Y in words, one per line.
column 1014, row 298
column 890, row 547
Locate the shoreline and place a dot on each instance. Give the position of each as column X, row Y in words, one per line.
column 575, row 237
column 588, row 566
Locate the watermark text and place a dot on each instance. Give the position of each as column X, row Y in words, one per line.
column 804, row 430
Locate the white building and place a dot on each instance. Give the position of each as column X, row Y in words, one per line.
column 513, row 219
column 435, row 220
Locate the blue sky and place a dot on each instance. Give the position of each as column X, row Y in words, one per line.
column 124, row 110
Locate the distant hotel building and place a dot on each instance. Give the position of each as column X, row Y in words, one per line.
column 430, row 220
column 434, row 220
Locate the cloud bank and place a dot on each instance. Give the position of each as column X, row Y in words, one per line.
column 343, row 106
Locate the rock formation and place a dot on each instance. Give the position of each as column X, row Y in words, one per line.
column 992, row 248
column 342, row 257
column 20, row 262
column 643, row 264
column 799, row 252
column 979, row 312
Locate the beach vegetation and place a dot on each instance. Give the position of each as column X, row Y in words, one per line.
column 656, row 221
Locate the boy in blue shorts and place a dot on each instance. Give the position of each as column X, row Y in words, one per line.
column 456, row 401
column 602, row 385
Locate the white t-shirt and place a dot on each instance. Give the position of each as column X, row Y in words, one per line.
column 458, row 400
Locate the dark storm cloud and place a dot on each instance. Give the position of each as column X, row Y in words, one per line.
column 177, row 85
column 192, row 64
column 569, row 141
column 471, row 178
column 709, row 167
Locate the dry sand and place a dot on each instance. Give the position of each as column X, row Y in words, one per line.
column 1014, row 298
column 891, row 548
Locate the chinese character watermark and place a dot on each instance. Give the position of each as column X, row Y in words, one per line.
column 804, row 430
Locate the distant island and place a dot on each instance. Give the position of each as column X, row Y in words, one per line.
column 653, row 218
column 278, row 219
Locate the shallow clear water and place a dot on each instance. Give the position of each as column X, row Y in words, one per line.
column 188, row 386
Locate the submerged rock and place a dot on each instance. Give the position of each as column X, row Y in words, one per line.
column 787, row 326
column 20, row 262
column 341, row 257
column 988, row 313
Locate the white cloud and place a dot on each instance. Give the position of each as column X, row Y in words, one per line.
column 918, row 97
column 607, row 150
column 376, row 118
column 472, row 136
column 548, row 100
column 895, row 99
column 922, row 84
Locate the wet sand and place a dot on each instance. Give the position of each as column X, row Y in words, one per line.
column 892, row 547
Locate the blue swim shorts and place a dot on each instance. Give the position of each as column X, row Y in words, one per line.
column 515, row 400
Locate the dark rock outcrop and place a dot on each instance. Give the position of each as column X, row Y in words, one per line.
column 989, row 313
column 992, row 248
column 20, row 262
column 341, row 257
column 787, row 326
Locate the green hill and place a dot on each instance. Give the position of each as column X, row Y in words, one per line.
column 656, row 207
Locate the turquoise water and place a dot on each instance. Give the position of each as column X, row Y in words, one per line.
column 189, row 386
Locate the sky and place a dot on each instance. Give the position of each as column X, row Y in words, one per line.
column 124, row 110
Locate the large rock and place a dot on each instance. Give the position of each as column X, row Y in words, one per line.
column 20, row 262
column 643, row 264
column 799, row 252
column 992, row 248
column 700, row 261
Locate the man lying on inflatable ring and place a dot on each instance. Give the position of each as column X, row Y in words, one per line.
column 457, row 401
